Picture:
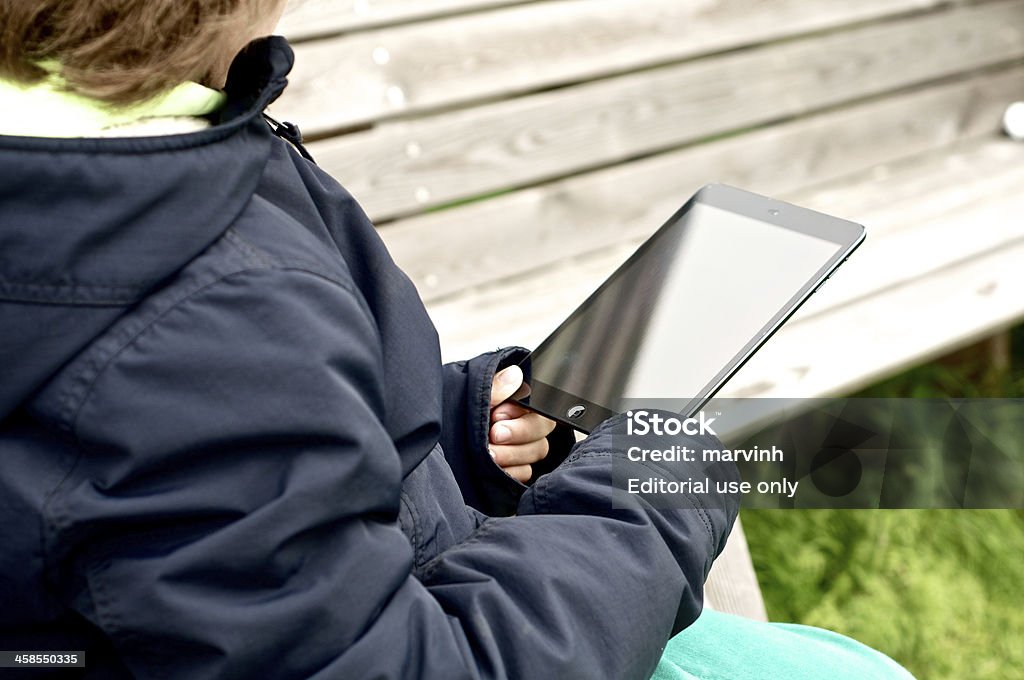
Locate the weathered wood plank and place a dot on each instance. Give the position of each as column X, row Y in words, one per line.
column 930, row 229
column 339, row 83
column 876, row 337
column 311, row 18
column 403, row 168
column 732, row 584
column 920, row 222
column 472, row 245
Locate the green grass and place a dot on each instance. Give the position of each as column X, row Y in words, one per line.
column 941, row 591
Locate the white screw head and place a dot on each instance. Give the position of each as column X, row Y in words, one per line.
column 1013, row 121
column 381, row 56
column 395, row 96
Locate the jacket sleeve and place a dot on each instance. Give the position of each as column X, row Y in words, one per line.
column 465, row 428
column 233, row 515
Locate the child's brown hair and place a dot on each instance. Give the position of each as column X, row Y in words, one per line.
column 120, row 51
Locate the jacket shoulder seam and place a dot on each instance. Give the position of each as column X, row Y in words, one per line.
column 263, row 258
column 71, row 408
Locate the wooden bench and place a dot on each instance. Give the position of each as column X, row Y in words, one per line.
column 514, row 153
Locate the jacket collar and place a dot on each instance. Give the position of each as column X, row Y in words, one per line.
column 101, row 221
column 89, row 226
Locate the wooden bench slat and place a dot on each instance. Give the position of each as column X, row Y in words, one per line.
column 972, row 227
column 336, row 83
column 480, row 243
column 311, row 18
column 403, row 168
column 919, row 223
column 876, row 337
column 732, row 584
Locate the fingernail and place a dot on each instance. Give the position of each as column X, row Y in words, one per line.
column 492, row 453
column 510, row 375
column 501, row 433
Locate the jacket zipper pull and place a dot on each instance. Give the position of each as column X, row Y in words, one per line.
column 290, row 133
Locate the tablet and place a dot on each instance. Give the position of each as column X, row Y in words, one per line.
column 687, row 309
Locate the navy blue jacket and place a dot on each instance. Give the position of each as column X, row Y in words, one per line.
column 228, row 447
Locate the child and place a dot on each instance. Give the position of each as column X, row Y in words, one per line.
column 229, row 448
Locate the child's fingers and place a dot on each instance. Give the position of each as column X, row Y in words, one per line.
column 508, row 411
column 528, row 428
column 505, row 384
column 520, row 454
column 521, row 473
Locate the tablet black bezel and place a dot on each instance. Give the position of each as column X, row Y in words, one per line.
column 555, row 403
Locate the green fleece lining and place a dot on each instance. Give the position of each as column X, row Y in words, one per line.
column 48, row 109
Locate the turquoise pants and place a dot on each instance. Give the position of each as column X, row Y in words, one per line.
column 725, row 647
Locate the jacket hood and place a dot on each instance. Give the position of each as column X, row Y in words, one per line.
column 89, row 226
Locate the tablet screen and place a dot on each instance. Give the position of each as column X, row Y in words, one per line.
column 684, row 308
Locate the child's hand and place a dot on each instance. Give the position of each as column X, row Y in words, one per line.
column 517, row 437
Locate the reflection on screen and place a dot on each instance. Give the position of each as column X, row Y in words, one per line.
column 665, row 327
